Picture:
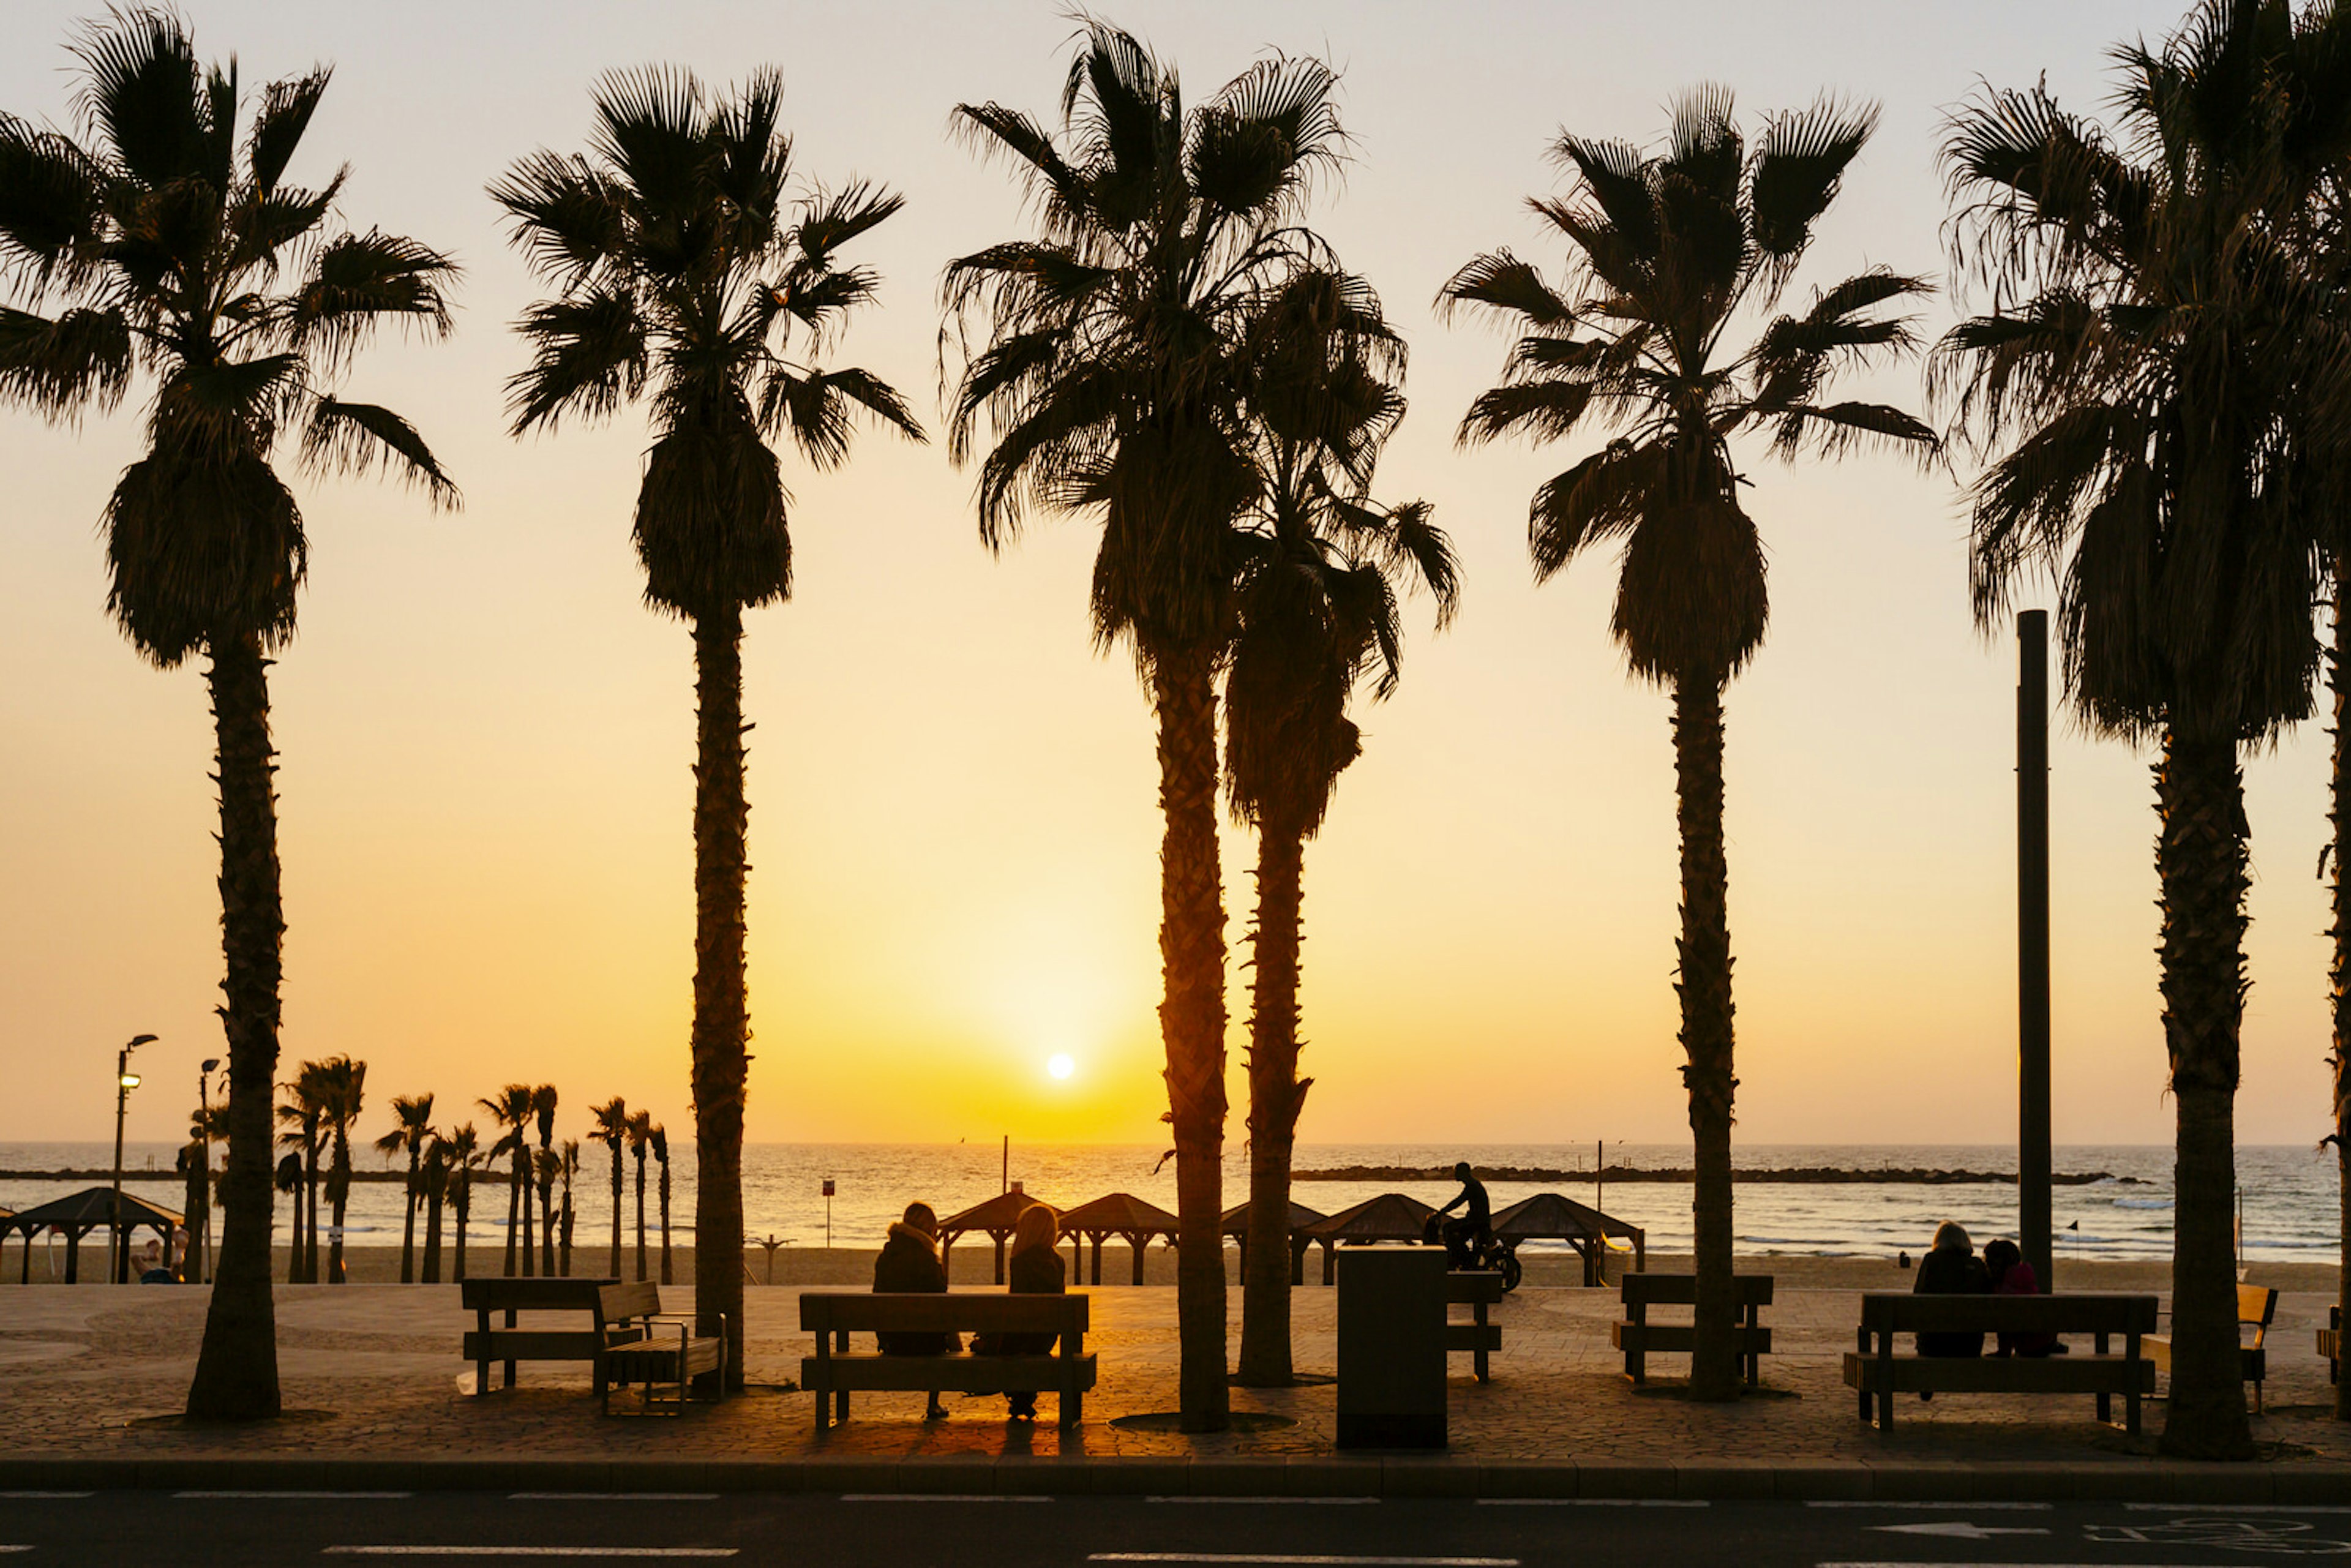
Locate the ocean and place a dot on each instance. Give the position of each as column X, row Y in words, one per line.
column 2288, row 1195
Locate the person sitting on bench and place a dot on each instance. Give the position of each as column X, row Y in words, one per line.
column 1035, row 1270
column 909, row 1265
column 1951, row 1267
column 2010, row 1275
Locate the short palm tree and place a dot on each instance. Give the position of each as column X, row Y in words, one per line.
column 542, row 1107
column 1318, row 610
column 432, row 1182
column 2153, row 374
column 686, row 273
column 343, row 1085
column 461, row 1152
column 412, row 1133
column 641, row 1137
column 301, row 1116
column 1671, row 253
column 567, row 1156
column 547, row 1169
column 611, row 1130
column 170, row 238
column 1106, row 372
column 512, row 1109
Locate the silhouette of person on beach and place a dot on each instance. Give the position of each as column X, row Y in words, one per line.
column 909, row 1265
column 1465, row 1237
column 1951, row 1267
column 1036, row 1270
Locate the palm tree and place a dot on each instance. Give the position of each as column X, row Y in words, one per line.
column 207, row 1125
column 542, row 1105
column 641, row 1132
column 344, row 1083
column 166, row 238
column 546, row 1168
column 461, row 1152
column 301, row 1115
column 1317, row 603
column 611, row 1130
column 1107, row 375
column 659, row 1139
column 1667, row 252
column 434, row 1185
column 2152, row 366
column 288, row 1179
column 568, row 1159
column 684, row 274
column 412, row 1130
column 513, row 1110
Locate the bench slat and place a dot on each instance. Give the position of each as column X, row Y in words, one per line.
column 2081, row 1311
column 2075, row 1373
column 1473, row 1336
column 495, row 1294
column 965, row 1374
column 1472, row 1286
column 1681, row 1290
column 533, row 1344
column 864, row 1311
column 1679, row 1339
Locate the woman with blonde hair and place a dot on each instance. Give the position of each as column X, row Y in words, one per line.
column 1951, row 1268
column 1036, row 1270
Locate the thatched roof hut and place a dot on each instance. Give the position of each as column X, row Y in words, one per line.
column 1124, row 1216
column 1548, row 1217
column 996, row 1219
column 76, row 1215
column 1235, row 1224
column 1391, row 1216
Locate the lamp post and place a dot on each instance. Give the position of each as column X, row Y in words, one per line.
column 125, row 1080
column 205, row 1138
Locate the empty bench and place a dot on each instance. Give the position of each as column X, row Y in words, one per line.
column 583, row 1340
column 1876, row 1373
column 644, row 1344
column 1477, row 1289
column 834, row 1370
column 2256, row 1307
column 1639, row 1338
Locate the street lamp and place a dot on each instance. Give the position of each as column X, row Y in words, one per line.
column 125, row 1080
column 204, row 1137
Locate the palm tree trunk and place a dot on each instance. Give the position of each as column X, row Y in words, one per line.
column 237, row 1369
column 432, row 1238
column 566, row 1255
column 310, row 1205
column 721, row 1009
column 2200, row 863
column 465, row 1201
column 2338, row 678
column 547, row 1228
column 408, row 1219
column 294, row 1239
column 1276, row 1095
column 1192, row 1020
column 641, row 1220
column 1706, row 1036
column 615, row 1270
column 514, row 1218
column 338, row 1192
column 665, row 1219
column 522, row 1179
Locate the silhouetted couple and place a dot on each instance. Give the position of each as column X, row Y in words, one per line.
column 1951, row 1268
column 910, row 1264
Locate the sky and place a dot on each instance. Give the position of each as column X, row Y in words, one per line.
column 485, row 738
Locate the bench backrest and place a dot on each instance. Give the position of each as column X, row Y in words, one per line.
column 958, row 1312
column 1473, row 1285
column 501, row 1294
column 1681, row 1290
column 637, row 1299
column 2081, row 1311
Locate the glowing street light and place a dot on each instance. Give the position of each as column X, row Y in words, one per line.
column 125, row 1080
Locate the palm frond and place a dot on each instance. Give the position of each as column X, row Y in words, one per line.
column 1800, row 162
column 361, row 437
column 1501, row 282
column 59, row 367
column 359, row 281
column 287, row 107
column 588, row 354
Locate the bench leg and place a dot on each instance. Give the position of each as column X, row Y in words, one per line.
column 1073, row 1408
column 1886, row 1409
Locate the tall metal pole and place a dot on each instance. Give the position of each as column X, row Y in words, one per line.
column 119, row 1259
column 2034, row 1222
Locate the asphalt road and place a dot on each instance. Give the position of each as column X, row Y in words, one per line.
column 815, row 1531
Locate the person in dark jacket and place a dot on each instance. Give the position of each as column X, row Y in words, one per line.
column 2010, row 1275
column 1036, row 1270
column 909, row 1265
column 1952, row 1269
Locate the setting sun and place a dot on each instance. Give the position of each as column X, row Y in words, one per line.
column 1061, row 1064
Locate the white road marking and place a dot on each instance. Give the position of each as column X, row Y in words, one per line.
column 1913, row 1563
column 1970, row 1507
column 1593, row 1502
column 941, row 1497
column 529, row 1551
column 2237, row 1507
column 1311, row 1501
column 1329, row 1560
column 613, row 1496
column 299, row 1496
column 1960, row 1529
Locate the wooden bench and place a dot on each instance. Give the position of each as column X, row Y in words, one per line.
column 487, row 1343
column 2330, row 1342
column 1477, row 1289
column 2256, row 1306
column 1875, row 1372
column 644, row 1344
column 833, row 1315
column 1639, row 1338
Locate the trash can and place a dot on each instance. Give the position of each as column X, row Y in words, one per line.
column 1392, row 1347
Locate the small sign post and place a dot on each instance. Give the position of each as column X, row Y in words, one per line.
column 828, row 1214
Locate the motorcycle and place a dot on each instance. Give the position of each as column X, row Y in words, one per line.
column 1489, row 1253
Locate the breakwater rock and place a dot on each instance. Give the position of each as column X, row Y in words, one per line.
column 1821, row 1175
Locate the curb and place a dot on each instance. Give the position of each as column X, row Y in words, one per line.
column 1386, row 1476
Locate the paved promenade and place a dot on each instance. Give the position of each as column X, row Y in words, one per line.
column 371, row 1373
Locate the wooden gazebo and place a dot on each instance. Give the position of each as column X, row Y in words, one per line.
column 76, row 1215
column 1235, row 1224
column 1122, row 1215
column 996, row 1219
column 1391, row 1216
column 1548, row 1216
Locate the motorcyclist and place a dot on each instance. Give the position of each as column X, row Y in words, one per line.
column 1468, row 1235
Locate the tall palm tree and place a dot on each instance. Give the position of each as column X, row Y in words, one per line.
column 1317, row 602
column 1670, row 255
column 344, row 1086
column 2151, row 368
column 412, row 1130
column 434, row 1183
column 512, row 1108
column 568, row 1160
column 301, row 1115
column 611, row 1130
column 167, row 239
column 546, row 1168
column 542, row 1107
column 462, row 1153
column 685, row 274
column 1105, row 372
column 659, row 1139
column 641, row 1135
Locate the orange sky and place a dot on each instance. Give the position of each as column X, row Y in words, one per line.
column 486, row 740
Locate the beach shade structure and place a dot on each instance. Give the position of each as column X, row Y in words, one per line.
column 1391, row 1216
column 996, row 1219
column 8, row 1224
column 1236, row 1225
column 1548, row 1216
column 76, row 1215
column 1122, row 1215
